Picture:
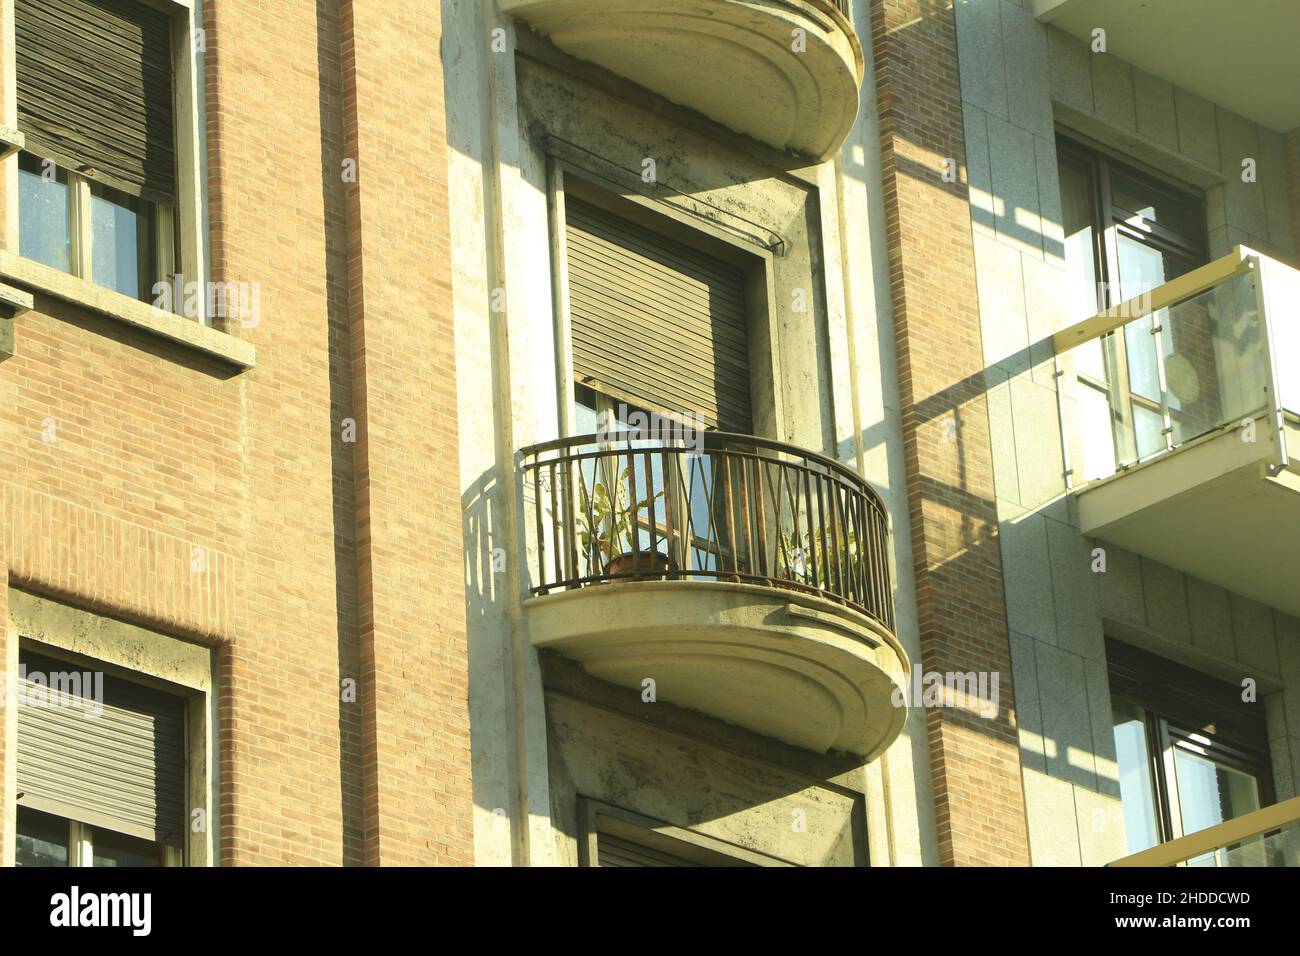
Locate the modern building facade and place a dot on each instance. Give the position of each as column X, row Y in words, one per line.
column 700, row 432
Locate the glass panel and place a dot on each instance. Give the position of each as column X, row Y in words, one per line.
column 121, row 241
column 42, row 839
column 1137, row 793
column 118, row 849
column 1209, row 793
column 1096, row 422
column 1140, row 346
column 1214, row 359
column 43, row 230
column 1281, row 848
column 1282, row 299
column 1149, row 427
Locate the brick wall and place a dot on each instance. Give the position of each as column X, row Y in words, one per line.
column 412, row 621
column 975, row 761
column 321, row 560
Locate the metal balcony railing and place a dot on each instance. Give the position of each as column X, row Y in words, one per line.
column 1202, row 352
column 722, row 507
column 1267, row 837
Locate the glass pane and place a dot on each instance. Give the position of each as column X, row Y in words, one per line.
column 584, row 407
column 1077, row 197
column 1181, row 214
column 1209, row 793
column 1149, row 427
column 121, row 250
column 1141, row 267
column 1090, row 360
column 1140, row 346
column 42, row 839
column 1095, row 422
column 118, row 849
column 43, row 232
column 1137, row 793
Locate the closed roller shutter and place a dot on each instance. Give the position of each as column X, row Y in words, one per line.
column 656, row 321
column 95, row 88
column 615, row 851
column 122, row 769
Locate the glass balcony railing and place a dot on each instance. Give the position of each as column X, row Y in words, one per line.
column 1217, row 348
column 1267, row 837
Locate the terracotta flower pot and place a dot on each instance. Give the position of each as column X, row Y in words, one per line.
column 639, row 565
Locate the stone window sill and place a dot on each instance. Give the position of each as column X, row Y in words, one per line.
column 120, row 308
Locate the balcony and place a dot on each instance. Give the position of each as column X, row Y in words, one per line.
column 732, row 60
column 1267, row 837
column 1240, row 54
column 1188, row 455
column 747, row 579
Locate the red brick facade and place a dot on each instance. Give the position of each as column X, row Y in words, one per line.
column 318, row 567
column 979, row 799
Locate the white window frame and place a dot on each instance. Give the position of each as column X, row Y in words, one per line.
column 185, row 221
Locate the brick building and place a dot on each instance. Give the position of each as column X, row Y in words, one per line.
column 560, row 432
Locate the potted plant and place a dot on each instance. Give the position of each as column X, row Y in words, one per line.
column 608, row 528
column 806, row 557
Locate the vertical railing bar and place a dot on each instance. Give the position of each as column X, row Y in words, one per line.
column 537, row 498
column 633, row 531
column 728, row 506
column 812, row 540
column 654, row 511
column 821, row 524
column 746, row 473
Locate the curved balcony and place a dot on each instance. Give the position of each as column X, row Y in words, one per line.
column 786, row 72
column 747, row 579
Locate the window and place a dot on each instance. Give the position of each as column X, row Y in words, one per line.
column 101, row 767
column 1127, row 233
column 44, row 839
column 98, row 184
column 1191, row 753
column 658, row 321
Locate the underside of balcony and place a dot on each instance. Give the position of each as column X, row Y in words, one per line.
column 785, row 72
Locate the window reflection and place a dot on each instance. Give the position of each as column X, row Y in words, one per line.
column 121, row 246
column 43, row 228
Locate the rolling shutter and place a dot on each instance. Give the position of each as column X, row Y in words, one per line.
column 615, row 851
column 122, row 769
column 1187, row 697
column 656, row 321
column 95, row 88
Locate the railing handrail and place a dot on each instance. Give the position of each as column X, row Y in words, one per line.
column 1188, row 285
column 715, row 438
column 1216, row 837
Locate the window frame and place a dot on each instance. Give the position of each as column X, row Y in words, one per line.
column 725, row 237
column 1109, row 222
column 181, row 247
column 132, row 652
column 1230, row 746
